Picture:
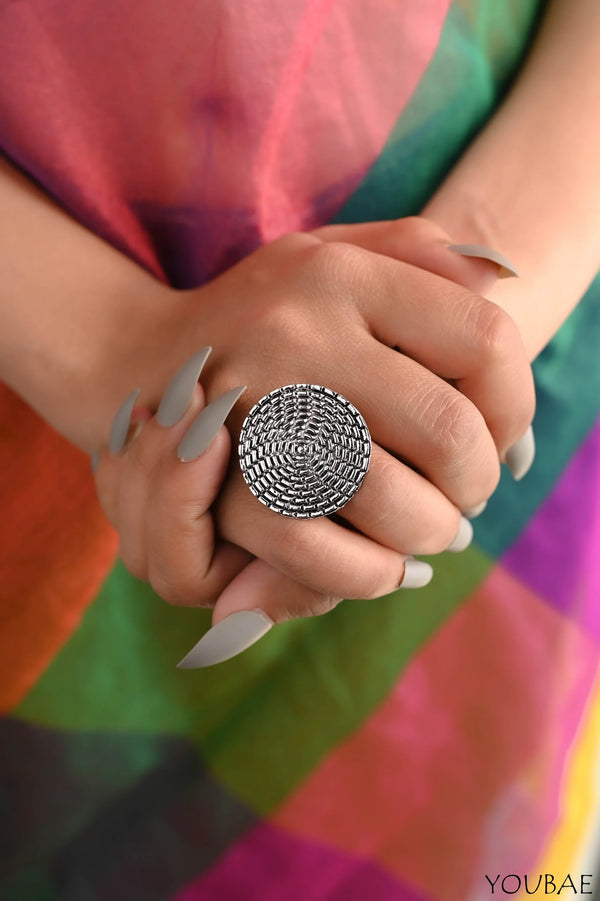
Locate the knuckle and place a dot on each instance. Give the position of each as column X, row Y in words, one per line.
column 290, row 243
column 286, row 328
column 333, row 262
column 462, row 445
column 413, row 228
column 179, row 591
column 141, row 454
column 277, row 318
column 386, row 486
column 313, row 603
column 496, row 333
column 456, row 425
column 382, row 580
column 408, row 224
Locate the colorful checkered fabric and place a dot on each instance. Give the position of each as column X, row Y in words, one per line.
column 395, row 750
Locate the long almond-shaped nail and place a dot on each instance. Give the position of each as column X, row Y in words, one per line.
column 178, row 395
column 228, row 638
column 521, row 455
column 417, row 574
column 121, row 423
column 464, row 537
column 206, row 425
column 476, row 511
column 486, row 253
column 95, row 460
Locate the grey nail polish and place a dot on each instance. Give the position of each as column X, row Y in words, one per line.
column 228, row 638
column 521, row 455
column 94, row 460
column 121, row 423
column 417, row 574
column 476, row 511
column 486, row 253
column 206, row 425
column 176, row 398
column 464, row 537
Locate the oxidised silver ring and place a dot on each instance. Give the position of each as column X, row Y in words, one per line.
column 304, row 450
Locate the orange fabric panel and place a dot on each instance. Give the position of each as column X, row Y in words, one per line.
column 51, row 567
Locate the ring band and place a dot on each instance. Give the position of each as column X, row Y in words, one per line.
column 304, row 450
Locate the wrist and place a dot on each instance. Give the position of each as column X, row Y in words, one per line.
column 76, row 372
column 81, row 324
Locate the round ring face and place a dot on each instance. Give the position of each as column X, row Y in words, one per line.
column 304, row 450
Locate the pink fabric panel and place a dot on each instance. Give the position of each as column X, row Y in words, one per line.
column 270, row 865
column 151, row 106
column 469, row 802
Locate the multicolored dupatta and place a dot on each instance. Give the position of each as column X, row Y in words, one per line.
column 397, row 750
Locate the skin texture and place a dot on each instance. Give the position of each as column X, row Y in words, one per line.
column 480, row 400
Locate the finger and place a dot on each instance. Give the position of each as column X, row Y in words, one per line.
column 132, row 467
column 455, row 334
column 485, row 356
column 175, row 501
column 108, row 465
column 186, row 563
column 139, row 469
column 128, row 418
column 424, row 244
column 260, row 586
column 318, row 553
column 425, row 422
column 281, row 598
column 417, row 241
column 401, row 509
column 252, row 603
column 257, row 598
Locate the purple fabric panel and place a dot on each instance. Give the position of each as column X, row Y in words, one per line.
column 271, row 865
column 558, row 554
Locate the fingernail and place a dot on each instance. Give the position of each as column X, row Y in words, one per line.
column 228, row 638
column 476, row 511
column 464, row 537
column 520, row 456
column 417, row 574
column 178, row 395
column 94, row 460
column 206, row 425
column 121, row 423
column 486, row 253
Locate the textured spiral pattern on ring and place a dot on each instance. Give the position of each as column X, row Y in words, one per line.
column 304, row 450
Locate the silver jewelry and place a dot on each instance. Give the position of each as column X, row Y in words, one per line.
column 304, row 450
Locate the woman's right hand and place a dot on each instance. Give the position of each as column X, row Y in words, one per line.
column 441, row 411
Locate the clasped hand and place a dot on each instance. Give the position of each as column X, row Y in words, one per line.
column 383, row 313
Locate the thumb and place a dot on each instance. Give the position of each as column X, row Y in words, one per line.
column 257, row 598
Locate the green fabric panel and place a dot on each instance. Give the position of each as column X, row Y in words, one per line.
column 289, row 698
column 343, row 666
